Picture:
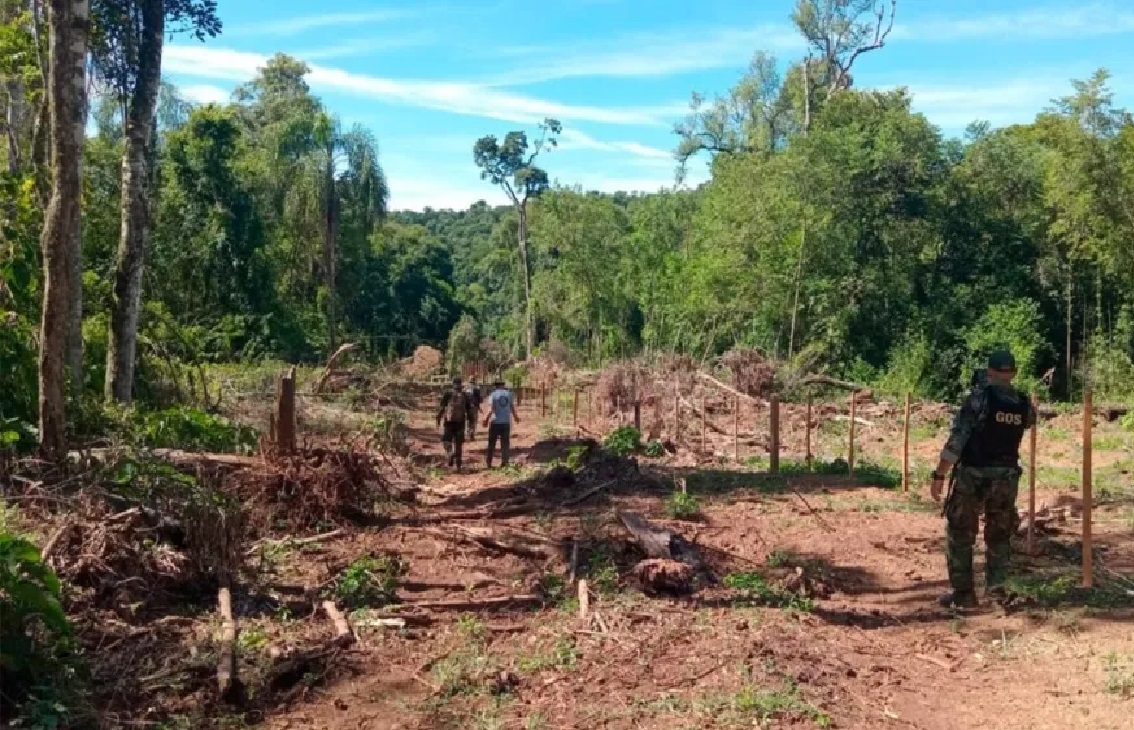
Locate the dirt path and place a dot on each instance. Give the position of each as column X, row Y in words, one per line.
column 875, row 653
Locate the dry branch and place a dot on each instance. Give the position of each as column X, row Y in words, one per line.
column 727, row 388
column 486, row 539
column 470, row 604
column 330, row 368
column 587, row 494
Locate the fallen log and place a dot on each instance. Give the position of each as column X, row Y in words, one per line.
column 470, row 604
column 484, row 538
column 587, row 494
column 344, row 348
column 728, row 388
column 835, row 383
column 297, row 541
column 704, row 418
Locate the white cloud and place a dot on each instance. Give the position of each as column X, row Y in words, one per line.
column 204, row 93
column 450, row 96
column 1038, row 23
column 647, row 54
column 294, row 26
column 575, row 139
column 955, row 106
column 368, row 46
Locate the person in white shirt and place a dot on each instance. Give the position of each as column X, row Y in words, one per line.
column 501, row 412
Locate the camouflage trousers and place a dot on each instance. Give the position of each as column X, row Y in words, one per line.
column 991, row 490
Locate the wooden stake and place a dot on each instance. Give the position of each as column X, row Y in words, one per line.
column 228, row 681
column 1088, row 497
column 736, row 428
column 807, row 433
column 542, row 401
column 906, row 448
column 1032, row 479
column 774, row 423
column 676, row 413
column 285, row 413
column 638, row 416
column 590, row 405
column 575, row 409
column 704, row 427
column 850, row 440
column 584, row 598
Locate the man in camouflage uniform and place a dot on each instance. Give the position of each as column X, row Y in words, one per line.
column 984, row 451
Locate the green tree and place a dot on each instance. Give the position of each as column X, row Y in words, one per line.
column 511, row 165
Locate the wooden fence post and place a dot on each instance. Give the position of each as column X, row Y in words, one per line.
column 774, row 423
column 850, row 440
column 676, row 413
column 736, row 428
column 1032, row 479
column 542, row 401
column 906, row 448
column 285, row 413
column 575, row 410
column 704, row 424
column 1088, row 492
column 638, row 416
column 807, row 433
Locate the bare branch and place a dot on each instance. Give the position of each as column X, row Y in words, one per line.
column 880, row 36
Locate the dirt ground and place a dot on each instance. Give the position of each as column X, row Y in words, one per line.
column 485, row 628
column 875, row 652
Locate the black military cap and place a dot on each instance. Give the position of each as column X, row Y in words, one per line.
column 1002, row 360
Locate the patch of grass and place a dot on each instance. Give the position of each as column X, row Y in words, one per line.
column 253, row 639
column 1109, row 442
column 780, row 558
column 682, row 506
column 1119, row 676
column 602, row 573
column 1056, row 589
column 756, row 706
column 563, row 655
column 1056, row 434
column 754, row 588
column 655, row 449
column 1057, row 476
column 913, row 505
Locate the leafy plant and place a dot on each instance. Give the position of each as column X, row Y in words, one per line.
column 655, row 449
column 32, row 621
column 754, row 587
column 193, row 430
column 576, row 455
column 389, row 432
column 623, row 441
column 369, row 581
column 682, row 506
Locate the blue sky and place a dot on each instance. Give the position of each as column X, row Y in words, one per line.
column 431, row 77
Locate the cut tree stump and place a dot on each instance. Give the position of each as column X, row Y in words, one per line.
column 285, row 413
column 658, row 542
column 663, row 576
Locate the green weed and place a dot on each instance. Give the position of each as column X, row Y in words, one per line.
column 682, row 506
column 623, row 441
column 780, row 558
column 754, row 588
column 369, row 582
column 655, row 449
column 1119, row 676
column 602, row 573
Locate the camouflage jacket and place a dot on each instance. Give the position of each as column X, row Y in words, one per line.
column 972, row 414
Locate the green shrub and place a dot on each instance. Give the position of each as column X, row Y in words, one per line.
column 389, row 432
column 1017, row 325
column 623, row 441
column 682, row 506
column 32, row 621
column 191, row 429
column 369, row 582
column 655, row 449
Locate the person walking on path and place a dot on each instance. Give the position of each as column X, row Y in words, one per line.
column 475, row 399
column 501, row 412
column 983, row 451
column 454, row 410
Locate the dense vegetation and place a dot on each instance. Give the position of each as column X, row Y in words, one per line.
column 840, row 231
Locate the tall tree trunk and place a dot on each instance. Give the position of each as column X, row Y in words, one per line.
column 123, row 345
column 69, row 23
column 329, row 247
column 75, row 303
column 529, row 316
column 1067, row 345
column 798, row 286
